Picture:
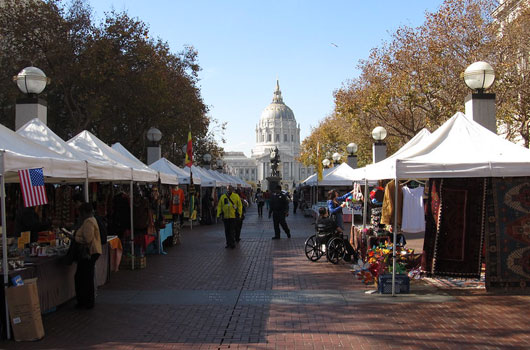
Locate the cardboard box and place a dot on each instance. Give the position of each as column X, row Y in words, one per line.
column 24, row 311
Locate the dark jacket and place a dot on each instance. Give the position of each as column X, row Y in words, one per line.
column 279, row 203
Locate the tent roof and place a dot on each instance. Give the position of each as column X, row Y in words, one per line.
column 221, row 180
column 459, row 148
column 338, row 176
column 18, row 152
column 87, row 143
column 312, row 179
column 165, row 178
column 164, row 165
column 38, row 132
column 207, row 180
column 361, row 173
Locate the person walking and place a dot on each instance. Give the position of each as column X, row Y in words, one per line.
column 88, row 236
column 239, row 222
column 260, row 200
column 279, row 205
column 295, row 201
column 335, row 205
column 230, row 207
column 267, row 197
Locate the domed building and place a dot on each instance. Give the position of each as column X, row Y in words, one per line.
column 277, row 127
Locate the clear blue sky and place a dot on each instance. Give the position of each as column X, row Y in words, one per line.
column 244, row 46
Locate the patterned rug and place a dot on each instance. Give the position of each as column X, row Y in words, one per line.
column 432, row 209
column 460, row 232
column 508, row 235
column 457, row 283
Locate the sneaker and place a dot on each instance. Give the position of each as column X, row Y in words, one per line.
column 275, row 237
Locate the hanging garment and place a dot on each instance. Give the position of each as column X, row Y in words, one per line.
column 413, row 213
column 387, row 218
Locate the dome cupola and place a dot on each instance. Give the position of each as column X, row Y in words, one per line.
column 277, row 110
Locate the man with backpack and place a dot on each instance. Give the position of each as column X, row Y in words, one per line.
column 231, row 208
column 279, row 210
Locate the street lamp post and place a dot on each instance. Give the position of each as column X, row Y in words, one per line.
column 219, row 164
column 154, row 152
column 480, row 106
column 207, row 159
column 379, row 146
column 352, row 157
column 31, row 81
column 336, row 158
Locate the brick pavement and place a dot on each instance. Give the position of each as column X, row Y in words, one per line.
column 266, row 295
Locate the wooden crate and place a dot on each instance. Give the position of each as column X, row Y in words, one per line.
column 139, row 262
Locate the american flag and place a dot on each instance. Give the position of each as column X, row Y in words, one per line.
column 32, row 185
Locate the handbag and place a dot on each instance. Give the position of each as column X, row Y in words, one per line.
column 237, row 211
column 76, row 252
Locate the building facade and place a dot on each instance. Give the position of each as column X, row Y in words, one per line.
column 277, row 128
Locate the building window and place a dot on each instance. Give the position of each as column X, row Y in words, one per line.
column 269, row 138
column 286, row 170
column 292, row 138
column 246, row 172
column 284, row 137
column 277, row 139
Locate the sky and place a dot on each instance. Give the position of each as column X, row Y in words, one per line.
column 312, row 47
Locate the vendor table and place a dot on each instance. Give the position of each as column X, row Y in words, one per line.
column 164, row 234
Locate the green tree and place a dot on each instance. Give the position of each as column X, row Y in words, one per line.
column 111, row 78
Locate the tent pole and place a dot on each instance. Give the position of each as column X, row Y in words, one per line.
column 132, row 221
column 5, row 267
column 394, row 231
column 365, row 203
column 87, row 197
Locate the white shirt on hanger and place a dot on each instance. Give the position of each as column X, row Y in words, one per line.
column 413, row 212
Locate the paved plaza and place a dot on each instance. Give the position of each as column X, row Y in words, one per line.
column 265, row 294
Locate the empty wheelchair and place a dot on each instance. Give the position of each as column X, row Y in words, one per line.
column 325, row 241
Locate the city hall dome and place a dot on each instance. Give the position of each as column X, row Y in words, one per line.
column 277, row 110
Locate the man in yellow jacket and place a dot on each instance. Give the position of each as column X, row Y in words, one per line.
column 230, row 206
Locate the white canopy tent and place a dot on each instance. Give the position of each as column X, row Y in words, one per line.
column 220, row 179
column 312, row 179
column 40, row 133
column 165, row 177
column 164, row 165
column 459, row 148
column 206, row 179
column 340, row 175
column 18, row 153
column 360, row 173
column 86, row 142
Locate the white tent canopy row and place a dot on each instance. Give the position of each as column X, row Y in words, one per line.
column 168, row 178
column 459, row 148
column 164, row 165
column 87, row 143
column 36, row 131
column 18, row 152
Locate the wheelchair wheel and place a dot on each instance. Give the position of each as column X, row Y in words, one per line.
column 336, row 250
column 312, row 249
